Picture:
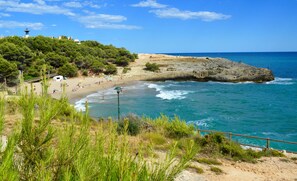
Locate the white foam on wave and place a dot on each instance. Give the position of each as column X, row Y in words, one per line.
column 202, row 122
column 281, row 81
column 155, row 86
column 80, row 105
column 232, row 83
column 168, row 94
column 175, row 94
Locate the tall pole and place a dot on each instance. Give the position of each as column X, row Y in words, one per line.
column 118, row 105
column 118, row 89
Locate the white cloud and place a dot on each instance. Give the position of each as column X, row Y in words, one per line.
column 77, row 4
column 149, row 4
column 73, row 4
column 185, row 15
column 163, row 11
column 92, row 5
column 34, row 8
column 16, row 24
column 4, row 15
column 105, row 21
column 39, row 2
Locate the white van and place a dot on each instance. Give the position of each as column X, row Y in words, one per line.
column 58, row 78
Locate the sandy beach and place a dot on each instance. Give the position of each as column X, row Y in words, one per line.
column 81, row 86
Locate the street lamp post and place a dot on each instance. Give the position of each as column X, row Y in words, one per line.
column 118, row 89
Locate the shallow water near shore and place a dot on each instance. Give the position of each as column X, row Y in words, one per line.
column 265, row 110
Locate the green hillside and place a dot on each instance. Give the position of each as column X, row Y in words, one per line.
column 62, row 56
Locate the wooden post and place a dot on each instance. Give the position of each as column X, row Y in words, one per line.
column 267, row 143
column 230, row 136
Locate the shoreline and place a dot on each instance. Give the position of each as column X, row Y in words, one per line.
column 171, row 68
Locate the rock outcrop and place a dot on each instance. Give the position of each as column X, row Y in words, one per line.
column 206, row 69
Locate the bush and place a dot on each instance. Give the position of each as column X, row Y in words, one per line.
column 122, row 61
column 152, row 67
column 85, row 72
column 208, row 161
column 271, row 153
column 68, row 70
column 155, row 138
column 179, row 128
column 97, row 67
column 134, row 125
column 110, row 69
column 217, row 144
column 216, row 170
column 196, row 168
column 126, row 69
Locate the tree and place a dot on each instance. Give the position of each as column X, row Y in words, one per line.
column 110, row 69
column 56, row 60
column 97, row 67
column 8, row 72
column 68, row 70
column 122, row 61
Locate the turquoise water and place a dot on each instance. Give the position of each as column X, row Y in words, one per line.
column 265, row 110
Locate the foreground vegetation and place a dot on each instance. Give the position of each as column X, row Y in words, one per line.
column 52, row 141
column 63, row 56
column 49, row 140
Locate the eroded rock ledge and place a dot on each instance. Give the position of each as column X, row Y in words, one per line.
column 205, row 69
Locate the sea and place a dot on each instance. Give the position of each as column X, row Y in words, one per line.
column 267, row 110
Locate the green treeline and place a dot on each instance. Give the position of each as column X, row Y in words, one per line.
column 61, row 56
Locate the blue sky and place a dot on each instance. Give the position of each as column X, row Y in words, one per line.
column 160, row 26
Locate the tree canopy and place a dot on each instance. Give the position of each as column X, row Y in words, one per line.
column 29, row 54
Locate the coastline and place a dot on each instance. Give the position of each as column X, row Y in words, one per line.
column 171, row 68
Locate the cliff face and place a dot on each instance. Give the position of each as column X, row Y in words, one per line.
column 205, row 69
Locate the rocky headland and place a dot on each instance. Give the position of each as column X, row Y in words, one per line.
column 203, row 69
column 171, row 68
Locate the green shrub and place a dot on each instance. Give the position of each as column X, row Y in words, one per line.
column 126, row 69
column 12, row 106
column 152, row 67
column 218, row 144
column 134, row 124
column 208, row 161
column 110, row 69
column 68, row 70
column 216, row 170
column 179, row 128
column 122, row 61
column 85, row 72
column 155, row 138
column 271, row 153
column 196, row 169
column 97, row 67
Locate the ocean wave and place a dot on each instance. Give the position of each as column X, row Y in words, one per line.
column 175, row 94
column 169, row 94
column 155, row 86
column 282, row 81
column 202, row 122
column 80, row 105
column 231, row 83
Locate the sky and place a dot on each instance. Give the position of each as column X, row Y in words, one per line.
column 160, row 26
